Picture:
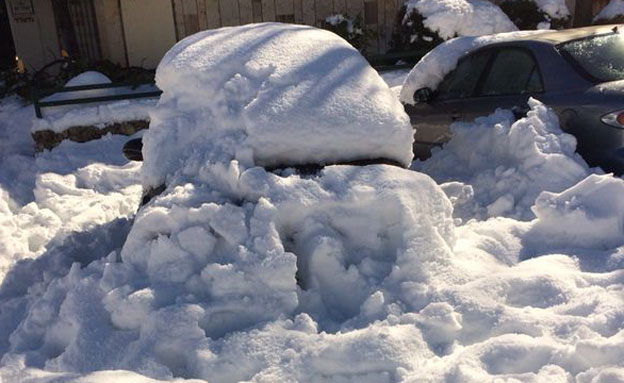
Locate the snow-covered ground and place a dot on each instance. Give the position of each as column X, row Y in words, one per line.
column 484, row 265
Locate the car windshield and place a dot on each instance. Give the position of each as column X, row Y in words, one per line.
column 601, row 57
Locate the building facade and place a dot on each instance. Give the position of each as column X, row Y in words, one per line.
column 139, row 32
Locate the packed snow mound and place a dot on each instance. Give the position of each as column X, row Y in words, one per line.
column 271, row 94
column 204, row 276
column 88, row 78
column 588, row 214
column 510, row 163
column 614, row 9
column 452, row 18
column 439, row 62
column 352, row 274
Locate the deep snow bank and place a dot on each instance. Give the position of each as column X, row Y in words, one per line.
column 588, row 214
column 271, row 94
column 508, row 165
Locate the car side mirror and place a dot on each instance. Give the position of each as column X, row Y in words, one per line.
column 423, row 95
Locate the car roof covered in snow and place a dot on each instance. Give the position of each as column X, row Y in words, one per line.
column 558, row 37
column 271, row 94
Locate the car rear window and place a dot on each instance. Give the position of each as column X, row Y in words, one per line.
column 600, row 57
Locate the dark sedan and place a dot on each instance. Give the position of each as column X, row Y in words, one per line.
column 579, row 73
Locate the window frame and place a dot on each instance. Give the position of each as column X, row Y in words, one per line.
column 488, row 68
column 494, row 52
column 436, row 93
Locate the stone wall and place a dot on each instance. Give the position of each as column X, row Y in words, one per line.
column 47, row 139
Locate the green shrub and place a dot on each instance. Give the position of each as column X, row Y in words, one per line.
column 410, row 33
column 351, row 29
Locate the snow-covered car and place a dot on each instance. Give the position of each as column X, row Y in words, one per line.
column 579, row 73
column 240, row 271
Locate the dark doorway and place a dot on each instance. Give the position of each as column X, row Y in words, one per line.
column 77, row 28
column 7, row 50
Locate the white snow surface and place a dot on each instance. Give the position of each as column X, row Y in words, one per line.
column 613, row 9
column 60, row 118
column 440, row 61
column 353, row 274
column 271, row 94
column 452, row 18
column 556, row 9
column 510, row 164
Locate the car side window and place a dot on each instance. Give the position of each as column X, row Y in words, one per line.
column 513, row 71
column 462, row 81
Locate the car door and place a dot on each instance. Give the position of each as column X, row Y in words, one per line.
column 510, row 79
column 491, row 78
column 449, row 103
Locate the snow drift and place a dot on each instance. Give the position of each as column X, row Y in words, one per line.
column 510, row 163
column 349, row 274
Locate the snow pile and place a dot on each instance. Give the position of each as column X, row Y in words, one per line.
column 46, row 197
column 349, row 274
column 614, row 9
column 271, row 94
column 439, row 62
column 344, row 248
column 588, row 214
column 64, row 186
column 60, row 118
column 451, row 18
column 509, row 164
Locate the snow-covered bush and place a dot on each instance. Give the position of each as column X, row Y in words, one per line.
column 350, row 28
column 613, row 13
column 537, row 14
column 423, row 24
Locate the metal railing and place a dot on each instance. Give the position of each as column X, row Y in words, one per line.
column 38, row 95
column 381, row 62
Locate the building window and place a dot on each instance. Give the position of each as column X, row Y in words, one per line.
column 370, row 12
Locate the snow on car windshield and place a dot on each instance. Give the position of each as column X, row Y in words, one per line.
column 601, row 57
column 508, row 268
